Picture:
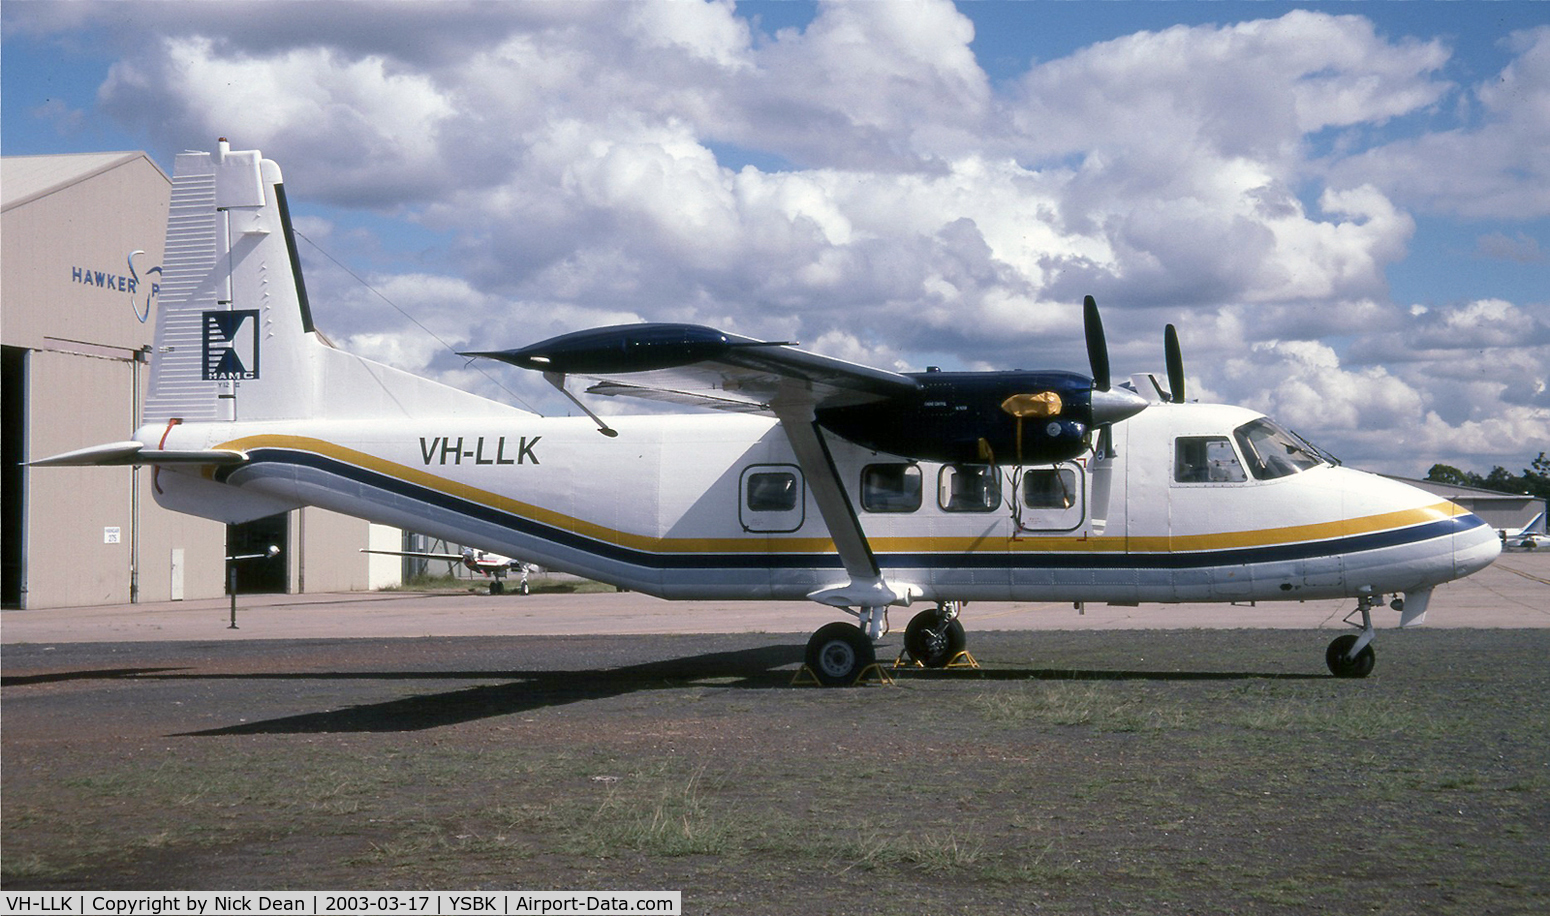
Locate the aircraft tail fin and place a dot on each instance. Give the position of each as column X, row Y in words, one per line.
column 234, row 333
column 1528, row 527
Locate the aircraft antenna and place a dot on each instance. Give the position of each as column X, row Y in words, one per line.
column 378, row 293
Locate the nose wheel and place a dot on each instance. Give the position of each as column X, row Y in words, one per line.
column 1343, row 662
column 1351, row 655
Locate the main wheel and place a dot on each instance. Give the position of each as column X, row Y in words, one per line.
column 1340, row 665
column 497, row 586
column 933, row 640
column 838, row 653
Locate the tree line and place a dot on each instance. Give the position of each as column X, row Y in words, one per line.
column 1534, row 481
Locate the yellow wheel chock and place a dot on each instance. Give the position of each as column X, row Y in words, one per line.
column 871, row 674
column 962, row 661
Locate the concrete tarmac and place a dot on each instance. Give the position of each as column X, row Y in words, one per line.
column 1514, row 592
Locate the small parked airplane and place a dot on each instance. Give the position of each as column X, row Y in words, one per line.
column 480, row 561
column 858, row 488
column 1524, row 539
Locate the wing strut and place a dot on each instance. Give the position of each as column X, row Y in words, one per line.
column 866, row 591
column 557, row 379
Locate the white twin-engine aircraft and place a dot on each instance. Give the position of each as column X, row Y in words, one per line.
column 854, row 487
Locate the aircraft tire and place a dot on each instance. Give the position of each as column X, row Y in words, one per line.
column 497, row 587
column 837, row 654
column 1341, row 666
column 928, row 643
column 525, row 588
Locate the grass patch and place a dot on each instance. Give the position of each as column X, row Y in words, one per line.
column 1104, row 706
column 642, row 815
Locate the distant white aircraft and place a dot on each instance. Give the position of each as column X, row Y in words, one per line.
column 857, row 488
column 482, row 562
column 1524, row 539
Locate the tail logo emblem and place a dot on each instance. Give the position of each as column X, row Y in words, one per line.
column 231, row 345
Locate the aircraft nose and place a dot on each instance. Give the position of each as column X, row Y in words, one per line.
column 1476, row 547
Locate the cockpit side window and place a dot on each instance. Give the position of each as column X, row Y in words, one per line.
column 1272, row 452
column 1206, row 459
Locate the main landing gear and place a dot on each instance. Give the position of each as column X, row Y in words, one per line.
column 498, row 587
column 838, row 653
column 1351, row 655
column 935, row 637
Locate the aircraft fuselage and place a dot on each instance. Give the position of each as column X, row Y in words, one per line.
column 716, row 506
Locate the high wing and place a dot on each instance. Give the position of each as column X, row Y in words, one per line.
column 1032, row 417
column 417, row 554
column 475, row 560
column 692, row 365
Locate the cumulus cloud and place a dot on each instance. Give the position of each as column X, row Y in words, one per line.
column 1497, row 166
column 579, row 158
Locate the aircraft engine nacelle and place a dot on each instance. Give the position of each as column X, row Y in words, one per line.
column 1006, row 417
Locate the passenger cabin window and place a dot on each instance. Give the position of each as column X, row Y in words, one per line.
column 772, row 491
column 1206, row 459
column 969, row 488
column 1049, row 488
column 890, row 487
column 1051, row 499
column 772, row 500
column 1272, row 451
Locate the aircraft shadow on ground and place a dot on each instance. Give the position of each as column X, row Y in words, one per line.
column 527, row 691
column 765, row 667
column 532, row 690
column 98, row 674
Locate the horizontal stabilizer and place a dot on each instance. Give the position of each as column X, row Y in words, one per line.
column 130, row 452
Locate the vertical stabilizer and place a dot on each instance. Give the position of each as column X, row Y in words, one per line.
column 233, row 341
column 234, row 334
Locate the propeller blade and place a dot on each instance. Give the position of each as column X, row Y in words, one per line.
column 1097, row 347
column 1175, row 359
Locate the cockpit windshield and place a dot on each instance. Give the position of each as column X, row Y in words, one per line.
column 1272, row 451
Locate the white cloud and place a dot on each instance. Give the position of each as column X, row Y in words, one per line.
column 1499, row 167
column 1222, row 177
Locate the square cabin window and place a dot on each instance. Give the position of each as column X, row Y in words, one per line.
column 1049, row 488
column 969, row 488
column 890, row 487
column 772, row 491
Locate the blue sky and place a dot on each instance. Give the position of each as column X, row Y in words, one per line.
column 1345, row 207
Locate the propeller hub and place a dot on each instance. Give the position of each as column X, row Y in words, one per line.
column 1114, row 405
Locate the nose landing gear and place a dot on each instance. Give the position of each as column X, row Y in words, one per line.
column 1351, row 655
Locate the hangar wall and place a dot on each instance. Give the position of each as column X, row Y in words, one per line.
column 83, row 237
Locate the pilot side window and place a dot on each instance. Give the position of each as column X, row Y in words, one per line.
column 890, row 487
column 969, row 488
column 1206, row 459
column 1272, row 451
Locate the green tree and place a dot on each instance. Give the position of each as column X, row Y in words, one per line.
column 1447, row 473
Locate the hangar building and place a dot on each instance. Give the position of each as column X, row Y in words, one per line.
column 82, row 244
